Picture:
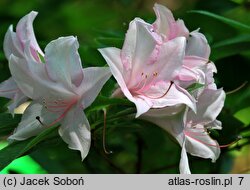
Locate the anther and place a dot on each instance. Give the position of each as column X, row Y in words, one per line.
column 155, row 74
column 208, row 62
column 38, row 119
column 142, row 74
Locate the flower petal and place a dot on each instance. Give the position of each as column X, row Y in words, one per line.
column 184, row 165
column 29, row 125
column 20, row 73
column 170, row 59
column 199, row 143
column 165, row 23
column 142, row 105
column 197, row 45
column 63, row 62
column 145, row 45
column 129, row 46
column 33, row 81
column 94, row 79
column 169, row 118
column 75, row 131
column 9, row 89
column 209, row 106
column 112, row 57
column 174, row 96
column 11, row 44
column 25, row 32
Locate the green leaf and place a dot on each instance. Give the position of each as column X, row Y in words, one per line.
column 230, row 47
column 19, row 148
column 102, row 102
column 194, row 87
column 8, row 123
column 109, row 41
column 233, row 23
column 41, row 57
column 243, row 115
column 2, row 56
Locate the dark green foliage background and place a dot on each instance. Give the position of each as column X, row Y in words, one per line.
column 137, row 146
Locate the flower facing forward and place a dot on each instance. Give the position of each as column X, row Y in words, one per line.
column 14, row 43
column 60, row 90
column 145, row 68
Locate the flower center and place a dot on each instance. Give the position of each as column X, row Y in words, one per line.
column 145, row 83
column 59, row 106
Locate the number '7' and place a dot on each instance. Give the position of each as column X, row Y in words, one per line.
column 241, row 179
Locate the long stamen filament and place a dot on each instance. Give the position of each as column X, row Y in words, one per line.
column 104, row 133
column 171, row 83
column 237, row 89
column 213, row 145
column 39, row 120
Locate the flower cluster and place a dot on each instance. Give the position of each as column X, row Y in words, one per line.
column 165, row 71
column 162, row 68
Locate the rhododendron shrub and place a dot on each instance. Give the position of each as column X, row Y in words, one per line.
column 160, row 82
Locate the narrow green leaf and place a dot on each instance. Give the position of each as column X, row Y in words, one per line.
column 8, row 123
column 102, row 102
column 2, row 56
column 41, row 57
column 235, row 40
column 19, row 148
column 225, row 20
column 109, row 41
column 194, row 87
column 230, row 47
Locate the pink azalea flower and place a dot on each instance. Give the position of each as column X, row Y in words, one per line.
column 60, row 90
column 166, row 26
column 145, row 68
column 14, row 43
column 190, row 129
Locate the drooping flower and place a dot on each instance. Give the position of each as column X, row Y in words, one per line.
column 14, row 43
column 145, row 68
column 190, row 129
column 60, row 90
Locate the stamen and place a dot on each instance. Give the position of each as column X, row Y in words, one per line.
column 147, row 80
column 213, row 145
column 143, row 80
column 171, row 83
column 208, row 62
column 64, row 113
column 38, row 119
column 237, row 89
column 104, row 133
